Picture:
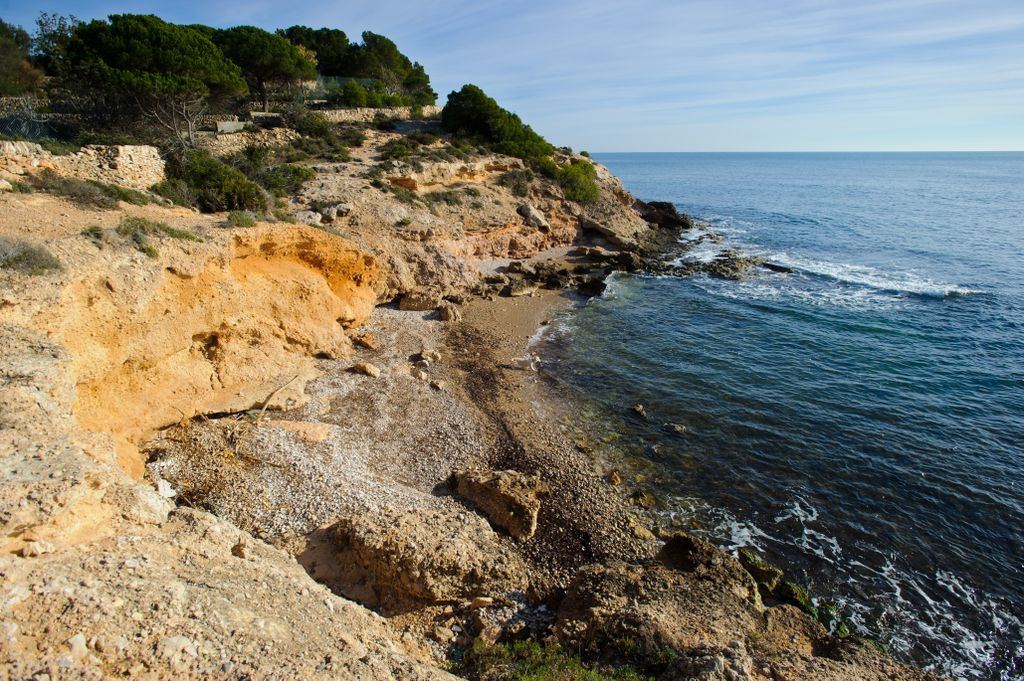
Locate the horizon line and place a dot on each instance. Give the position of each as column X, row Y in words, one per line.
column 828, row 151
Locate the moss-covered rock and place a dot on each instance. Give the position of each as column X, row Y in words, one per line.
column 763, row 572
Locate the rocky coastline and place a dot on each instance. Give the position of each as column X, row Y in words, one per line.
column 324, row 450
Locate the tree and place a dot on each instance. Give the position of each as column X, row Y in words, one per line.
column 171, row 73
column 330, row 45
column 471, row 113
column 353, row 94
column 17, row 75
column 266, row 59
column 53, row 31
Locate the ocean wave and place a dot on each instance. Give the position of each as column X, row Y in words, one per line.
column 898, row 283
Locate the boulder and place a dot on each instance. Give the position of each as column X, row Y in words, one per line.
column 510, row 499
column 366, row 340
column 663, row 214
column 419, row 301
column 533, row 217
column 691, row 596
column 308, row 217
column 395, row 559
column 763, row 572
column 366, row 369
column 449, row 312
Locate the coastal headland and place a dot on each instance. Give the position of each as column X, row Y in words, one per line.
column 321, row 446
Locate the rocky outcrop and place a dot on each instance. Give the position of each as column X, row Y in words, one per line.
column 509, row 499
column 447, row 173
column 401, row 559
column 702, row 605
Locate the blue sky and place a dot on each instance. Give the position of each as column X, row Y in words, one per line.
column 716, row 75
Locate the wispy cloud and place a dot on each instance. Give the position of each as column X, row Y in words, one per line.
column 702, row 74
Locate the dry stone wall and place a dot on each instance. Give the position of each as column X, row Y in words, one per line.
column 367, row 115
column 135, row 166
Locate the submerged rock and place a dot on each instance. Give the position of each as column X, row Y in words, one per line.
column 510, row 499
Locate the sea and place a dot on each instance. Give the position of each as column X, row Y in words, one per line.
column 859, row 420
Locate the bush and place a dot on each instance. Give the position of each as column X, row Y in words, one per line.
column 471, row 113
column 445, row 196
column 306, row 122
column 138, row 229
column 282, row 215
column 285, row 179
column 79, row 191
column 351, row 135
column 214, row 185
column 578, row 181
column 176, row 191
column 20, row 256
column 531, row 661
column 136, row 198
column 394, row 150
column 518, row 181
column 241, row 218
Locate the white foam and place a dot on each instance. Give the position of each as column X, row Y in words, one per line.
column 863, row 275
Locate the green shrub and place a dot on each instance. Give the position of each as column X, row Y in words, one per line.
column 471, row 113
column 545, row 167
column 395, row 149
column 176, row 191
column 136, row 198
column 402, row 194
column 285, row 179
column 19, row 187
column 445, row 196
column 241, row 218
column 58, row 148
column 94, row 233
column 306, row 122
column 79, row 191
column 422, row 137
column 21, row 256
column 326, row 148
column 282, row 215
column 518, row 181
column 585, row 153
column 351, row 134
column 215, row 185
column 531, row 661
column 579, row 181
column 138, row 229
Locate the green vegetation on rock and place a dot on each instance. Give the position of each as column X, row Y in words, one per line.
column 471, row 113
column 197, row 178
column 21, row 256
column 532, row 661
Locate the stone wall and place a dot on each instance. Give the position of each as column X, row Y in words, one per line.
column 367, row 115
column 138, row 167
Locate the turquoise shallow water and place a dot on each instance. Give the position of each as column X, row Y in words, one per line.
column 860, row 420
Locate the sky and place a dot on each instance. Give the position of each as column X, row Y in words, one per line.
column 704, row 75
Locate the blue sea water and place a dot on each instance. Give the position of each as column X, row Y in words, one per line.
column 861, row 420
